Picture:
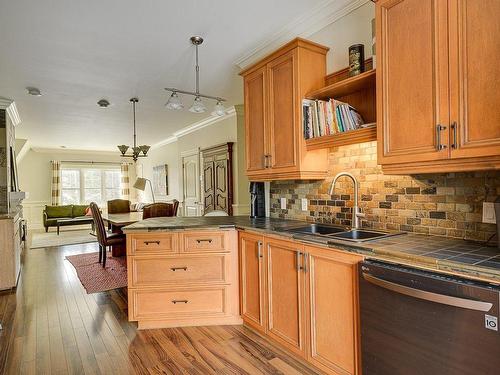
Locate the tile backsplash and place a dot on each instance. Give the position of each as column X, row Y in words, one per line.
column 448, row 204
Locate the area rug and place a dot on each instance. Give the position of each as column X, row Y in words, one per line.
column 94, row 277
column 70, row 237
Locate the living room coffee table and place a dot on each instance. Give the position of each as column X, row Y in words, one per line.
column 74, row 221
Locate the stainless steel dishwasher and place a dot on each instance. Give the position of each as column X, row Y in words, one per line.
column 425, row 323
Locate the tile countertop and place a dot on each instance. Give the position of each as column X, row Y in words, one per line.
column 447, row 255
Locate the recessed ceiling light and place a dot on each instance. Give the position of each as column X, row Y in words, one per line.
column 33, row 91
column 103, row 103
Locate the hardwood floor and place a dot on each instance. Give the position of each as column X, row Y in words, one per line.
column 51, row 326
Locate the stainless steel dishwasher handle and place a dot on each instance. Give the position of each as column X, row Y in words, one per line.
column 429, row 296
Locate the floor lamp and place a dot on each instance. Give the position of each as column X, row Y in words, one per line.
column 140, row 184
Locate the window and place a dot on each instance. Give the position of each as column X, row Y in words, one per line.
column 85, row 185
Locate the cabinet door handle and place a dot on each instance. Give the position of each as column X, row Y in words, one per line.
column 299, row 256
column 259, row 249
column 178, row 268
column 454, row 126
column 176, row 301
column 306, row 257
column 439, row 128
column 204, row 240
column 151, row 242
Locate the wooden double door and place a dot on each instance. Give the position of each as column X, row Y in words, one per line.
column 304, row 298
column 217, row 178
column 437, row 85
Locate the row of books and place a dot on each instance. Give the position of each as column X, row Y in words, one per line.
column 326, row 117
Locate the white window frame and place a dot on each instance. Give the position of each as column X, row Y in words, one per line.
column 81, row 169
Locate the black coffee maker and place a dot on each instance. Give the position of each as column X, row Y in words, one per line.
column 257, row 200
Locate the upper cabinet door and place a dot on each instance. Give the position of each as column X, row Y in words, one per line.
column 282, row 111
column 412, row 80
column 255, row 121
column 475, row 77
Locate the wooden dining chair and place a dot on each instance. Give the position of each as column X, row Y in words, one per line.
column 118, row 206
column 160, row 209
column 104, row 238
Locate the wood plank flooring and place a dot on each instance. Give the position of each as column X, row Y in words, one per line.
column 51, row 326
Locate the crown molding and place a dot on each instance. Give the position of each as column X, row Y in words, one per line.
column 11, row 109
column 209, row 121
column 304, row 26
column 49, row 150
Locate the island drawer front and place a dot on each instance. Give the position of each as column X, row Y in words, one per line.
column 153, row 243
column 173, row 304
column 157, row 271
column 203, row 241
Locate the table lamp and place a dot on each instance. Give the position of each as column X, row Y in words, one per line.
column 140, row 184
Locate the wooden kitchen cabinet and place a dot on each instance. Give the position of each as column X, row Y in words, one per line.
column 273, row 91
column 332, row 302
column 310, row 296
column 439, row 115
column 285, row 294
column 252, row 282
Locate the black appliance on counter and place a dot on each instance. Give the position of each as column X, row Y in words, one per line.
column 257, row 200
column 418, row 322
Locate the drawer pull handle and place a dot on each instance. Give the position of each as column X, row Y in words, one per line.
column 204, row 240
column 176, row 301
column 178, row 268
column 151, row 242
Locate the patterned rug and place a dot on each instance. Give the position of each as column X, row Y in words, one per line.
column 94, row 277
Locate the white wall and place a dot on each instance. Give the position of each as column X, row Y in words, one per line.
column 222, row 131
column 35, row 177
column 352, row 29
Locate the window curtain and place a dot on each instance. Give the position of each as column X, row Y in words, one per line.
column 56, row 183
column 125, row 184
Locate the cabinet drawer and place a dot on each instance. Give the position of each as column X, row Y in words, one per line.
column 151, row 271
column 165, row 304
column 203, row 241
column 154, row 243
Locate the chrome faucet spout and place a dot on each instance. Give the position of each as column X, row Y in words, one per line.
column 356, row 214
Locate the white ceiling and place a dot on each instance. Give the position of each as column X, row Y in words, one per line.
column 77, row 52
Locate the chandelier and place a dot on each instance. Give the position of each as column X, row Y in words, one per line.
column 175, row 103
column 137, row 151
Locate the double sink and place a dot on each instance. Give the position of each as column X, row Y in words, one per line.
column 341, row 233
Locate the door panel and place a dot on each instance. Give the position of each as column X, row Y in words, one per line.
column 221, row 193
column 332, row 290
column 285, row 294
column 412, row 100
column 255, row 112
column 282, row 107
column 252, row 280
column 208, row 187
column 474, row 77
column 191, row 184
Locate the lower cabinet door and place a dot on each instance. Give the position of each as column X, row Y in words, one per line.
column 286, row 294
column 252, row 280
column 333, row 311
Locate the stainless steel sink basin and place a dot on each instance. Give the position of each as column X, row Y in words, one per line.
column 360, row 235
column 317, row 229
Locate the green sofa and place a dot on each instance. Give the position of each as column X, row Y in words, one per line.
column 72, row 214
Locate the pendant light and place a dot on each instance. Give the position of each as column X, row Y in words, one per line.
column 174, row 102
column 137, row 151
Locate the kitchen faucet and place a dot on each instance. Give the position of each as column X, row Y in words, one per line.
column 356, row 214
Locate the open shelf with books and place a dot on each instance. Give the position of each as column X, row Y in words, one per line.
column 343, row 112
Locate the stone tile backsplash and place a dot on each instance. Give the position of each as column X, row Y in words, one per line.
column 438, row 204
